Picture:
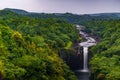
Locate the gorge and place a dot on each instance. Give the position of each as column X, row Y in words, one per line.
column 83, row 74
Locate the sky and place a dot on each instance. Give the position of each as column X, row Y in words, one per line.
column 63, row 6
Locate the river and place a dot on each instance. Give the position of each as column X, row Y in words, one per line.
column 83, row 74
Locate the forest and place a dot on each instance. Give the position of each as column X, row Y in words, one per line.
column 29, row 47
column 105, row 64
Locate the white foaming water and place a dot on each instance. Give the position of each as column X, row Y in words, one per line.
column 84, row 73
column 85, row 51
column 90, row 42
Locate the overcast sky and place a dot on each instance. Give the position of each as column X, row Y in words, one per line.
column 62, row 6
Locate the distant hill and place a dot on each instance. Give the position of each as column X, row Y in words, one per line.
column 107, row 15
column 18, row 11
column 72, row 18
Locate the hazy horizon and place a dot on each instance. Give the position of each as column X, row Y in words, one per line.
column 61, row 6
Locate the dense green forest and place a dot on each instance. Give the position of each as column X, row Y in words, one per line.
column 105, row 64
column 29, row 47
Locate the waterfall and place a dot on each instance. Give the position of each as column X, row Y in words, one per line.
column 85, row 60
column 83, row 74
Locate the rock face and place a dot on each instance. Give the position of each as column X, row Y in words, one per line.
column 73, row 57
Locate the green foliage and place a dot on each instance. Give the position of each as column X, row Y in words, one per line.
column 105, row 64
column 29, row 47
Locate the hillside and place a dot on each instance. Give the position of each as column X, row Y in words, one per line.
column 105, row 64
column 29, row 47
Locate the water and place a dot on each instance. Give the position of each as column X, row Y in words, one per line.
column 85, row 67
column 83, row 74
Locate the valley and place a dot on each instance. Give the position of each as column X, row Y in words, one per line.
column 44, row 46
